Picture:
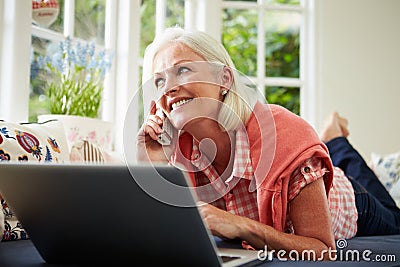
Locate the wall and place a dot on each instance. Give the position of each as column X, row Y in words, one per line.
column 358, row 51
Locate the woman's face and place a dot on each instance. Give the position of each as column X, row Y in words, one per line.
column 188, row 86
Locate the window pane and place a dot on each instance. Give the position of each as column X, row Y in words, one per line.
column 174, row 17
column 282, row 43
column 175, row 13
column 37, row 102
column 239, row 36
column 147, row 24
column 287, row 2
column 58, row 24
column 284, row 96
column 90, row 18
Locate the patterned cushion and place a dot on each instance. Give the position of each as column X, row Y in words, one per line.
column 32, row 142
column 88, row 152
column 85, row 151
column 387, row 168
column 37, row 142
column 1, row 224
column 78, row 128
column 13, row 229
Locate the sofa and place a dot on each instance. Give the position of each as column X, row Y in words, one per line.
column 48, row 143
column 359, row 251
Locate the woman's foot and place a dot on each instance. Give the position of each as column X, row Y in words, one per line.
column 335, row 126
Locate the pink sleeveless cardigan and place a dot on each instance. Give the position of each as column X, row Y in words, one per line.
column 279, row 142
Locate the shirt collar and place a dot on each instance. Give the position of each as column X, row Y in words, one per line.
column 242, row 167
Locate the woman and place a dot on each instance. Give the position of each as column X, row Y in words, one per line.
column 265, row 174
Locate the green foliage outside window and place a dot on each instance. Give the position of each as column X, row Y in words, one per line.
column 90, row 17
column 282, row 49
column 284, row 96
column 239, row 36
column 174, row 17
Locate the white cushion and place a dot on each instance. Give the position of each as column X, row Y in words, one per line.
column 387, row 168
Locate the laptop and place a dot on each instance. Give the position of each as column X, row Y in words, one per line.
column 90, row 214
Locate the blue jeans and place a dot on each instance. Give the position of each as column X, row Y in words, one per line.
column 377, row 211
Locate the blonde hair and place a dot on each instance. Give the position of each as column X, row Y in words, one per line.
column 240, row 99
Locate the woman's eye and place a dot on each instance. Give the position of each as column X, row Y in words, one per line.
column 182, row 70
column 159, row 83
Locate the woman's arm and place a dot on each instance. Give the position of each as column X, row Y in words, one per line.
column 309, row 214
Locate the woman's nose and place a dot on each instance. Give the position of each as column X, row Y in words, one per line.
column 171, row 85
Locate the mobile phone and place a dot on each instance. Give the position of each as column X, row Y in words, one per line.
column 165, row 138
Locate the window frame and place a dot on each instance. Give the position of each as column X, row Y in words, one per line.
column 122, row 35
column 15, row 21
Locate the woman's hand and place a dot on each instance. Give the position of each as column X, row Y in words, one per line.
column 221, row 223
column 147, row 145
column 310, row 216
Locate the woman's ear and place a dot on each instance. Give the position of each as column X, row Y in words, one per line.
column 227, row 78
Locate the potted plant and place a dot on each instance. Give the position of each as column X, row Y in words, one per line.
column 75, row 76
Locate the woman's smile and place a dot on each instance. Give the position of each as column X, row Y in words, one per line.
column 179, row 103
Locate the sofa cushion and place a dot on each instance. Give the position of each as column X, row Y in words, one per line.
column 32, row 142
column 85, row 151
column 88, row 152
column 78, row 128
column 387, row 168
column 13, row 229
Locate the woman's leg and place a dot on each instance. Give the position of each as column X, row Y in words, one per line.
column 373, row 217
column 344, row 156
column 377, row 211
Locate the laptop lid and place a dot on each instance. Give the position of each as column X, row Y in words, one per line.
column 99, row 213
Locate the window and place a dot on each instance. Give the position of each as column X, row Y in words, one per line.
column 112, row 25
column 267, row 39
column 263, row 38
column 80, row 20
